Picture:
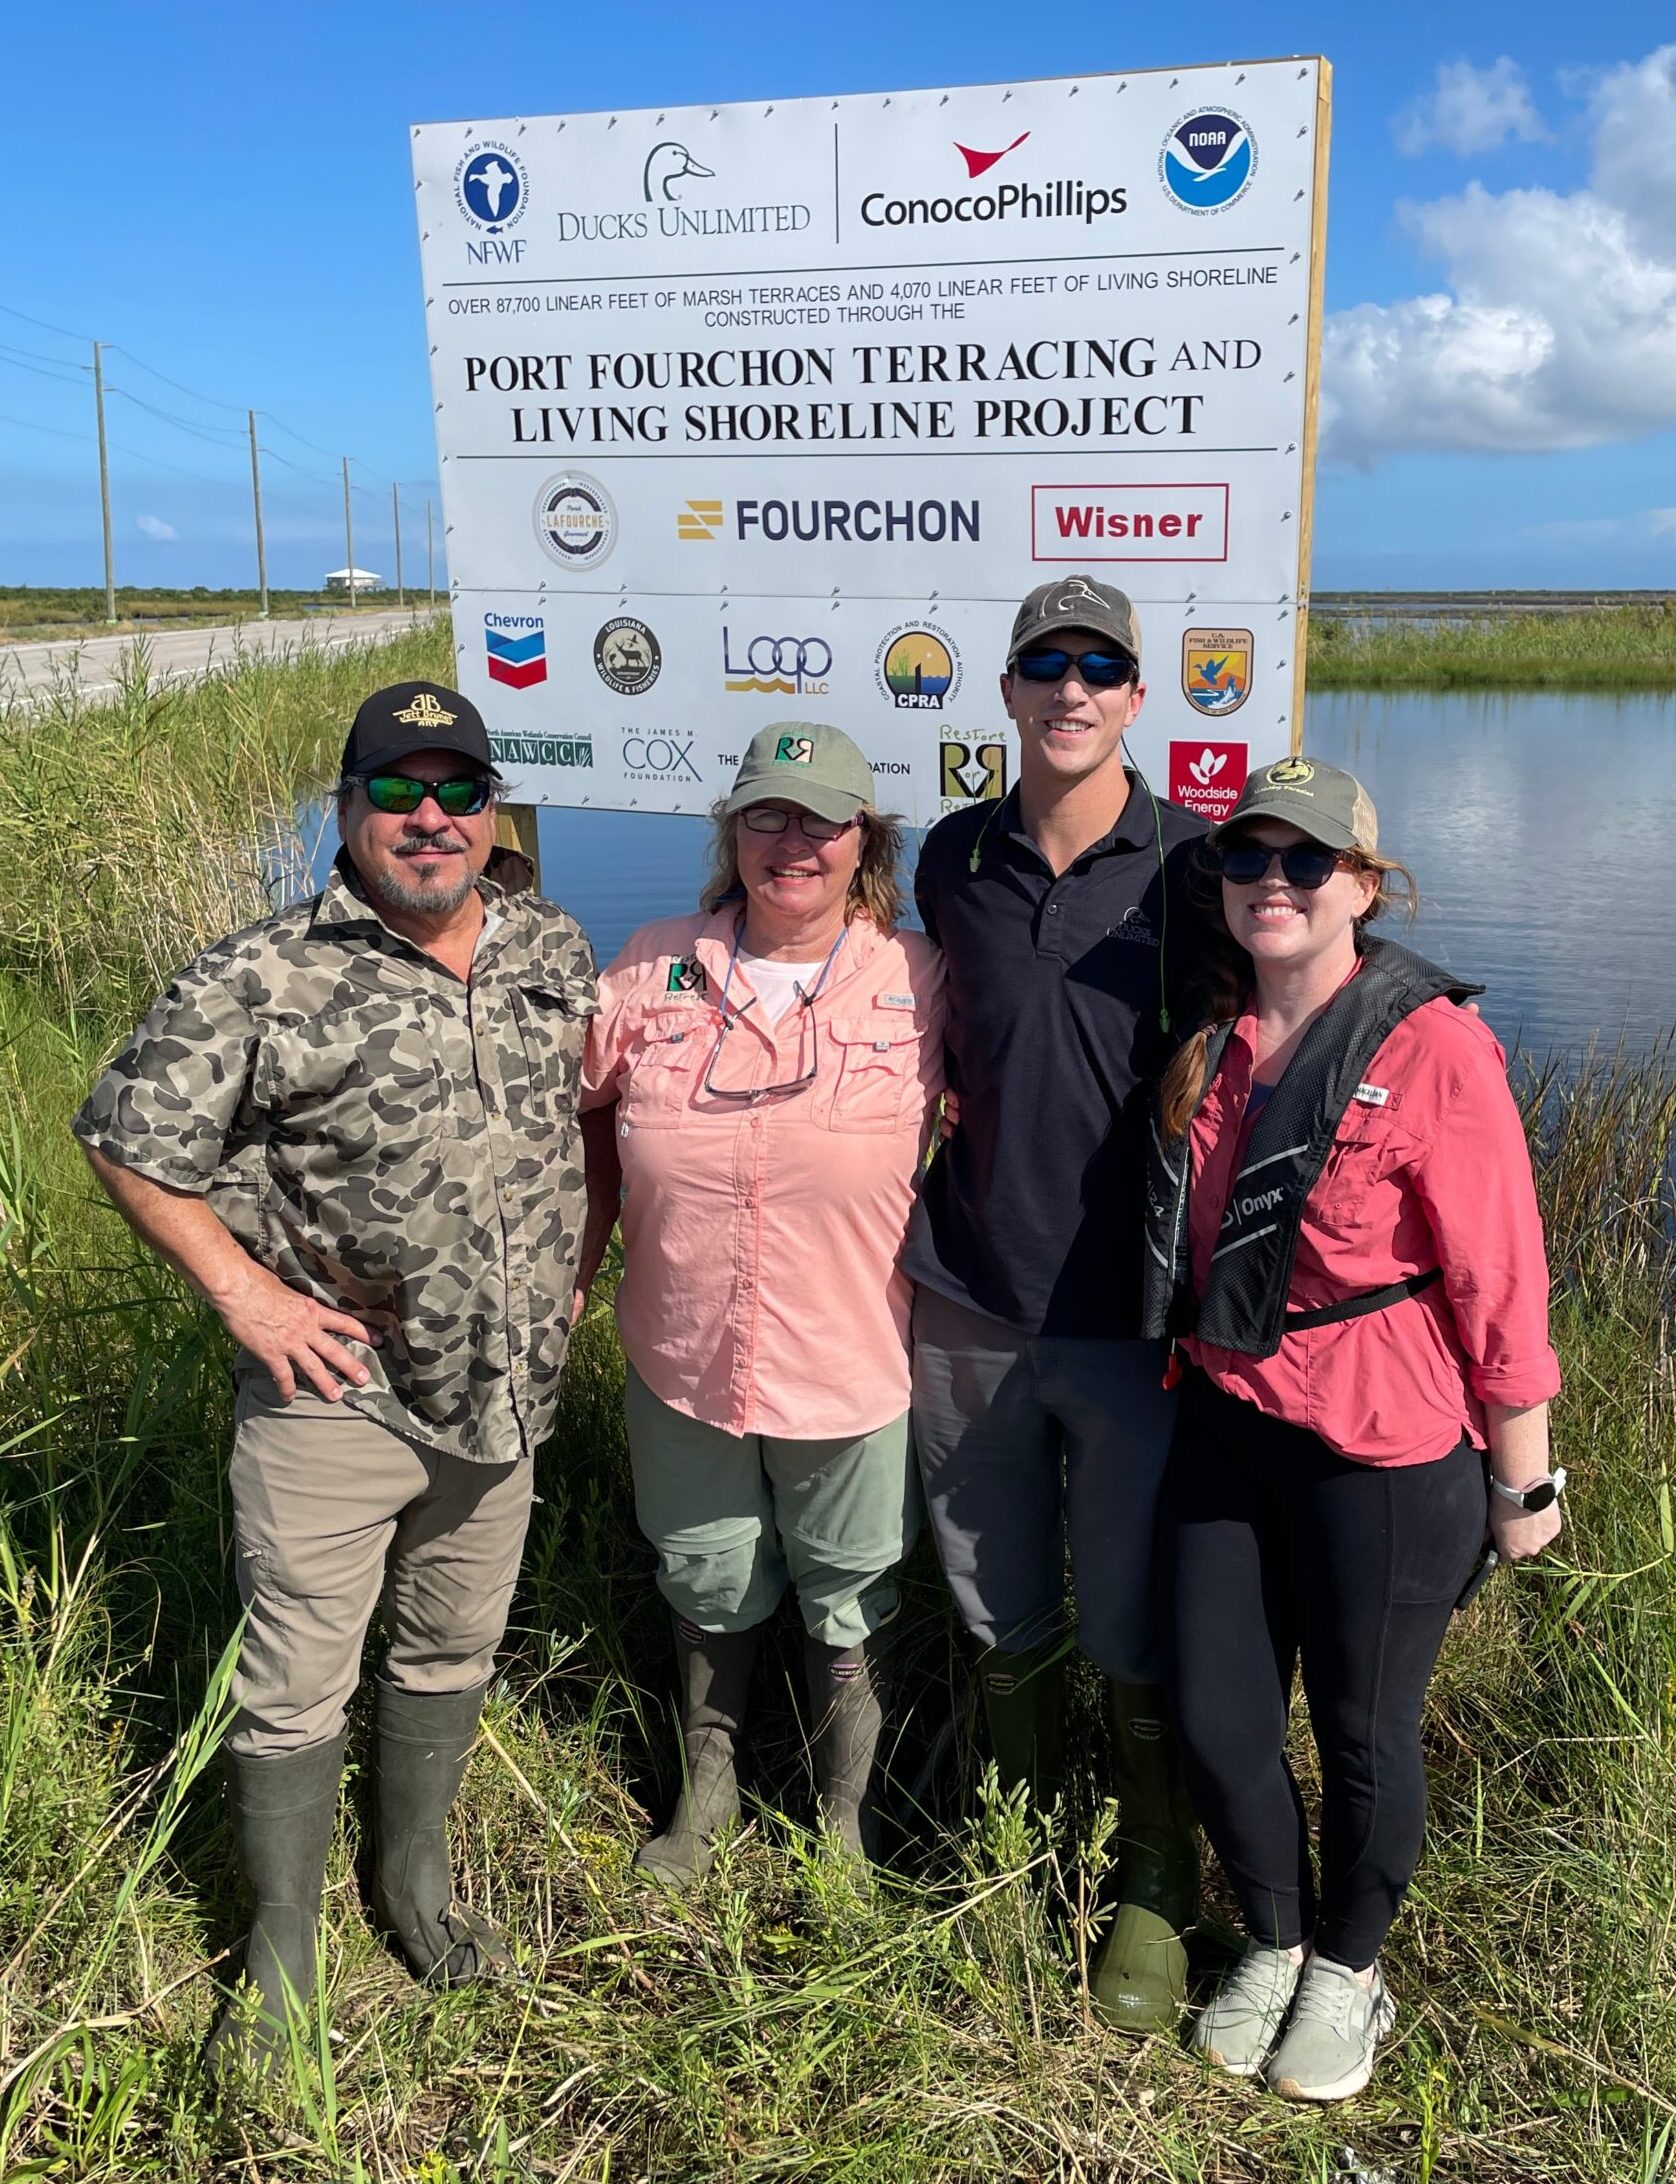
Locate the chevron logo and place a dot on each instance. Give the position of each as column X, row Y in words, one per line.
column 517, row 646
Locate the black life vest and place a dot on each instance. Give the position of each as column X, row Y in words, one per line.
column 1243, row 1307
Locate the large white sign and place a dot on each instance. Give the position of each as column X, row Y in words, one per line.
column 775, row 412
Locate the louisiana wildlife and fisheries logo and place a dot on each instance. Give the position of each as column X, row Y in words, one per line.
column 517, row 648
column 491, row 186
column 575, row 521
column 1208, row 160
column 627, row 656
column 1216, row 669
column 917, row 667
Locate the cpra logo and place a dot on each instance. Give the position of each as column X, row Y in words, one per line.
column 1207, row 777
column 787, row 667
column 1216, row 669
column 1208, row 160
column 516, row 645
column 917, row 667
column 980, row 162
column 491, row 186
column 575, row 521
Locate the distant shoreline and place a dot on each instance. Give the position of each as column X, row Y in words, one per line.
column 1492, row 641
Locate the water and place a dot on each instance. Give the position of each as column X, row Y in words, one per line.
column 1538, row 827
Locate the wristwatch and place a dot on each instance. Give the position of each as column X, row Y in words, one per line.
column 1540, row 1494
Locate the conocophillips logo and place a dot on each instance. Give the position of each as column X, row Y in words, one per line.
column 787, row 667
column 1208, row 160
column 917, row 667
column 575, row 520
column 491, row 186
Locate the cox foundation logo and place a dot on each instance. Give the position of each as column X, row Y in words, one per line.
column 917, row 667
column 575, row 521
column 660, row 758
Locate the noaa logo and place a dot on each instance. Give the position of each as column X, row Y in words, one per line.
column 1208, row 160
column 491, row 187
column 575, row 520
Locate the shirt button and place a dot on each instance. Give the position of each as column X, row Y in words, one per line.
column 1053, row 909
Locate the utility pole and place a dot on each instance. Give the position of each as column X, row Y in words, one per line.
column 104, row 483
column 348, row 532
column 396, row 519
column 256, row 496
column 430, row 557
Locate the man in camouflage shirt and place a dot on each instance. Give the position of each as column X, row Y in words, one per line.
column 353, row 1128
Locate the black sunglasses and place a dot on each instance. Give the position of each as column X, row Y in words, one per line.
column 1308, row 865
column 1099, row 670
column 768, row 819
column 462, row 796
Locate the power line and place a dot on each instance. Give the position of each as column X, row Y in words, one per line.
column 181, row 424
column 86, row 439
column 290, row 434
column 45, row 325
column 213, row 401
column 64, row 379
column 41, row 357
column 297, row 467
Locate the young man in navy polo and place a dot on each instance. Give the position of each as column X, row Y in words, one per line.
column 1039, row 1413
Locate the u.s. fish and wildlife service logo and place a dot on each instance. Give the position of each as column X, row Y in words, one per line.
column 491, row 186
column 627, row 656
column 575, row 520
column 1216, row 669
column 1208, row 160
column 917, row 667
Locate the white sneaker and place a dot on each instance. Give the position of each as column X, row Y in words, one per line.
column 1237, row 2027
column 1336, row 2023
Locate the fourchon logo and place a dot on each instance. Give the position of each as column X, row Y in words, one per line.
column 667, row 164
column 699, row 519
column 980, row 162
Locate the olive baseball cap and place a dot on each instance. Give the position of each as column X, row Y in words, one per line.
column 1329, row 806
column 406, row 717
column 1077, row 602
column 804, row 762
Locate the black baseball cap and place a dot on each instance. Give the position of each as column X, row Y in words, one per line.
column 1077, row 602
column 415, row 716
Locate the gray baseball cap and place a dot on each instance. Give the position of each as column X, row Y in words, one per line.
column 1076, row 602
column 806, row 763
column 1329, row 806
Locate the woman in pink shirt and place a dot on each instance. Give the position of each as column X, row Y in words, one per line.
column 1343, row 1235
column 757, row 1093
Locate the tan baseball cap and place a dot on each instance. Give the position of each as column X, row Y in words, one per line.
column 1076, row 602
column 1328, row 805
column 808, row 763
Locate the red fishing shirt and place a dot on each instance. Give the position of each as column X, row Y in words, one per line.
column 1428, row 1168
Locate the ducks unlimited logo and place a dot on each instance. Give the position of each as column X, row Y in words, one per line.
column 677, row 200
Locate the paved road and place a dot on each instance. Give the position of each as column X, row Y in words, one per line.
column 184, row 654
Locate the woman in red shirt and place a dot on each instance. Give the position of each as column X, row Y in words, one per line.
column 1344, row 1238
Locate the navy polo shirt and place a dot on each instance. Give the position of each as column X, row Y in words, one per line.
column 1032, row 1211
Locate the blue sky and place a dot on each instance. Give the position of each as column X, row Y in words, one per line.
column 225, row 194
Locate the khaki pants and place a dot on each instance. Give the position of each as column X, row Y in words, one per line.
column 734, row 1516
column 326, row 1505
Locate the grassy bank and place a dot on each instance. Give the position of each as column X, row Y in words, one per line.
column 782, row 2025
column 29, row 612
column 1609, row 648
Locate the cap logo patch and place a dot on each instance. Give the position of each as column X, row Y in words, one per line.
column 1286, row 772
column 795, row 751
column 1078, row 592
column 425, row 712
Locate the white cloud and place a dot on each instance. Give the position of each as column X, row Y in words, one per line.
column 155, row 527
column 1648, row 525
column 1557, row 328
column 1470, row 110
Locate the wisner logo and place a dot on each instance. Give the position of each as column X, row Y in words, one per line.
column 669, row 172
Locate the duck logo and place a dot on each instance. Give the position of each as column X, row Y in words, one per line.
column 666, row 165
column 492, row 187
column 1216, row 669
column 517, row 649
column 1208, row 160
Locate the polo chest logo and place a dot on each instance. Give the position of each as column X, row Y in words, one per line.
column 686, row 975
column 1136, row 926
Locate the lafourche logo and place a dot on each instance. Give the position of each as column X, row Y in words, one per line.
column 917, row 667
column 1208, row 160
column 491, row 186
column 575, row 521
column 668, row 168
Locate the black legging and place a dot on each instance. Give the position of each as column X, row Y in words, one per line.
column 1276, row 1550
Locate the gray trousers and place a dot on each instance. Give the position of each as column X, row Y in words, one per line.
column 1027, row 1442
column 331, row 1509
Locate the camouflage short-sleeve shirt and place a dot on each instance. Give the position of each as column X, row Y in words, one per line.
column 388, row 1139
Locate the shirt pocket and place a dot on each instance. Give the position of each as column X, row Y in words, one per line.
column 552, row 1023
column 877, row 1070
column 1368, row 1148
column 664, row 1063
column 363, row 1081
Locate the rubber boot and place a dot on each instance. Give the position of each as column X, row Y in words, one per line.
column 847, row 1694
column 285, row 1807
column 423, row 1741
column 715, row 1680
column 1024, row 1705
column 1139, row 1984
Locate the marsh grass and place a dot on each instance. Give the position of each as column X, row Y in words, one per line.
column 782, row 2024
column 1608, row 648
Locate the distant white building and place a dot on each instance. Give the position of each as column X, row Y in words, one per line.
column 364, row 580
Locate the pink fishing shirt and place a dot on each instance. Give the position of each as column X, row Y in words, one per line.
column 1435, row 1174
column 761, row 1291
